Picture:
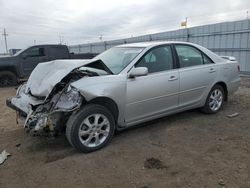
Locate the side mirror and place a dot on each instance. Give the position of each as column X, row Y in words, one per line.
column 138, row 71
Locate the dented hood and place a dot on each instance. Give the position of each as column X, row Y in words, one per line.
column 46, row 75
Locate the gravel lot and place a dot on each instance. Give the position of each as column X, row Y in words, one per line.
column 189, row 149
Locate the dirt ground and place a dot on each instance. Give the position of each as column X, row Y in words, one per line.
column 189, row 149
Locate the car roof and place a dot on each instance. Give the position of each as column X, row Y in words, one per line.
column 48, row 45
column 152, row 43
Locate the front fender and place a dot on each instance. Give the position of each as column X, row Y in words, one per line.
column 111, row 86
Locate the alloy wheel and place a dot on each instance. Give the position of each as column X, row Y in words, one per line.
column 94, row 130
column 215, row 100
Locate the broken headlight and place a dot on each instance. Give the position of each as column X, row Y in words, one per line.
column 20, row 90
column 69, row 100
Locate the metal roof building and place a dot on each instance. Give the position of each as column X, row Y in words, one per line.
column 227, row 38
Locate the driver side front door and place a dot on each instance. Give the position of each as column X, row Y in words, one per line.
column 155, row 94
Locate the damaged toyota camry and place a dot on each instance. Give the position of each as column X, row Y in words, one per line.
column 126, row 85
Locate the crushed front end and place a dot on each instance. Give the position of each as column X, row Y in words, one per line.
column 48, row 99
column 46, row 116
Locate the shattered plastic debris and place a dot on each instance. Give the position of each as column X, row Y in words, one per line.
column 233, row 115
column 3, row 156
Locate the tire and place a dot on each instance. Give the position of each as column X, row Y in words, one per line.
column 7, row 78
column 95, row 124
column 215, row 100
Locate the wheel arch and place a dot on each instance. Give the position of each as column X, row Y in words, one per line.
column 108, row 103
column 224, row 86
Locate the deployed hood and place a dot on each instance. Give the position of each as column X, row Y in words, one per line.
column 46, row 75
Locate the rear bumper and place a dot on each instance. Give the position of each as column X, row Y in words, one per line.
column 234, row 85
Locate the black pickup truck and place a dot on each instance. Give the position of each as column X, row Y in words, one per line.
column 18, row 67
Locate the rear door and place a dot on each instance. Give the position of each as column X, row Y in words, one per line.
column 197, row 74
column 31, row 57
column 157, row 92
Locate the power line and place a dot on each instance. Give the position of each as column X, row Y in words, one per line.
column 5, row 39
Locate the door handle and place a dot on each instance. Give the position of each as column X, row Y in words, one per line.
column 172, row 78
column 211, row 70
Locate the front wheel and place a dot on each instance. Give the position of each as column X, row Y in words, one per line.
column 214, row 100
column 91, row 128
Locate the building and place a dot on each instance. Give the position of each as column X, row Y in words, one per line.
column 227, row 38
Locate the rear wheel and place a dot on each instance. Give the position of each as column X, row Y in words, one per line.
column 214, row 100
column 7, row 78
column 91, row 128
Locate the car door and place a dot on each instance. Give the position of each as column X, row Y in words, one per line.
column 31, row 57
column 156, row 93
column 197, row 74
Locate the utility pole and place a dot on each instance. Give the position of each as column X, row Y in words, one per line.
column 61, row 39
column 5, row 39
column 247, row 14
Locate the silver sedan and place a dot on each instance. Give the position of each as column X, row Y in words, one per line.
column 124, row 86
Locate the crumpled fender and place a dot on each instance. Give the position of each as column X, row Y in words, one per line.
column 111, row 86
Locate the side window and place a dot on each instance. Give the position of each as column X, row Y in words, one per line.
column 157, row 59
column 188, row 56
column 150, row 57
column 206, row 60
column 35, row 52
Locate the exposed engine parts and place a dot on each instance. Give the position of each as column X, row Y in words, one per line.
column 63, row 100
column 47, row 100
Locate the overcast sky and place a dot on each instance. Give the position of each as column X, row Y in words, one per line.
column 81, row 21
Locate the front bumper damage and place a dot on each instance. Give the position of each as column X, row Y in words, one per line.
column 48, row 116
column 9, row 104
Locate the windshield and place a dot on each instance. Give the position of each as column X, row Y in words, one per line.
column 116, row 59
column 19, row 52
